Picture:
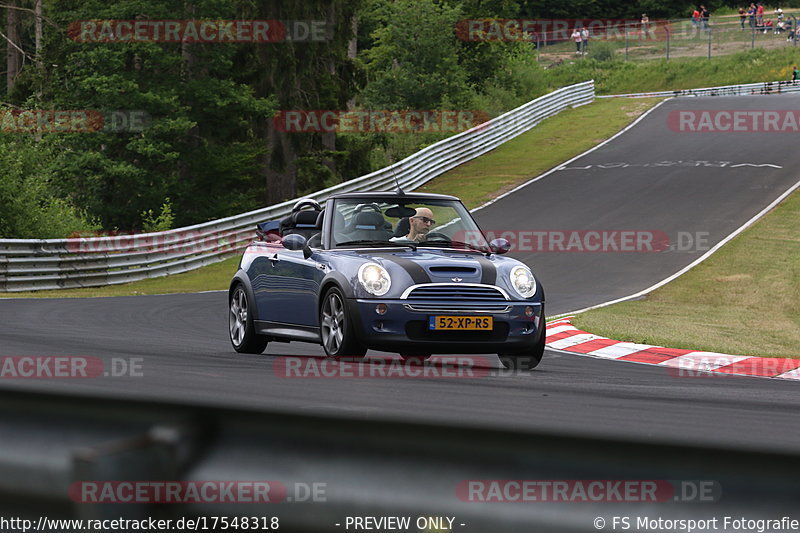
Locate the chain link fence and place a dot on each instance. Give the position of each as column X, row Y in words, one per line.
column 670, row 39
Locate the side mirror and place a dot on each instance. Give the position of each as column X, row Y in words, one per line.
column 295, row 242
column 500, row 246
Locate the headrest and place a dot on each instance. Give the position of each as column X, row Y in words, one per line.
column 403, row 227
column 306, row 218
column 368, row 220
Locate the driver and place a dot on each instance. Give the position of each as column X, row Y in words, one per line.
column 420, row 224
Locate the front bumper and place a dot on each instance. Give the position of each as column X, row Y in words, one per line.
column 405, row 330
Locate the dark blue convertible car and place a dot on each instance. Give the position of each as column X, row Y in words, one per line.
column 400, row 272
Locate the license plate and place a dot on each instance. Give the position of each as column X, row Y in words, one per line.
column 460, row 322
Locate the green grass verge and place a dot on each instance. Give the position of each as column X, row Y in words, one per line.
column 618, row 76
column 744, row 300
column 550, row 143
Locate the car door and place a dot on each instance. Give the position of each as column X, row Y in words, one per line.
column 293, row 287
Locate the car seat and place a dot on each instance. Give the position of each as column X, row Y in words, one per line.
column 367, row 225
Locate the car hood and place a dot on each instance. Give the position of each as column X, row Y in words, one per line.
column 432, row 265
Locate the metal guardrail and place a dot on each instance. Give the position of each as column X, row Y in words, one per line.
column 367, row 467
column 36, row 264
column 748, row 89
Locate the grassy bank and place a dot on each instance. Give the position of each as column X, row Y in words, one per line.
column 550, row 143
column 744, row 300
column 618, row 76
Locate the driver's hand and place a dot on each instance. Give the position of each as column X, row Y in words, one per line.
column 421, row 237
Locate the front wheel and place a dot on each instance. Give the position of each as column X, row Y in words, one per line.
column 337, row 329
column 240, row 324
column 527, row 360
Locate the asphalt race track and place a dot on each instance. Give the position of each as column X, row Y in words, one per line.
column 649, row 178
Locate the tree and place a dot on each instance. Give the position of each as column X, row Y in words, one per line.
column 414, row 63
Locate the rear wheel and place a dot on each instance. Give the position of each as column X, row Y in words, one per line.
column 337, row 328
column 240, row 324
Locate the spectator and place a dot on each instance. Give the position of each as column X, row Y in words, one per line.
column 585, row 39
column 759, row 14
column 644, row 26
column 768, row 25
column 576, row 36
column 781, row 27
column 742, row 17
column 704, row 15
column 751, row 11
column 795, row 73
column 779, row 13
column 695, row 18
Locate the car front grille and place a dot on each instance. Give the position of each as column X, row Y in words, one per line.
column 460, row 298
column 455, row 292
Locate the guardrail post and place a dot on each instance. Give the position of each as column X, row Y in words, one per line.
column 709, row 42
column 626, row 40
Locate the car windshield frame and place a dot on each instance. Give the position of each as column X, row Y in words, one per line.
column 464, row 227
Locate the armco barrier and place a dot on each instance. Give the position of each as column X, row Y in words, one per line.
column 34, row 264
column 53, row 444
column 766, row 87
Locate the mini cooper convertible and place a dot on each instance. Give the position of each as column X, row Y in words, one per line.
column 399, row 272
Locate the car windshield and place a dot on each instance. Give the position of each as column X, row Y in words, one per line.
column 405, row 222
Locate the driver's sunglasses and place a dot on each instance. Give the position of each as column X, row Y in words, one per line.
column 426, row 220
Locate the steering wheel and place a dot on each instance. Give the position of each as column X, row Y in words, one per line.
column 306, row 202
column 435, row 236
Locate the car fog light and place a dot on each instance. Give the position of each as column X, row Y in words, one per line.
column 381, row 309
column 529, row 311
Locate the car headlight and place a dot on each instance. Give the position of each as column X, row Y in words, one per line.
column 523, row 281
column 374, row 278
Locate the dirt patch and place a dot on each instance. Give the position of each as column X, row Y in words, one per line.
column 733, row 278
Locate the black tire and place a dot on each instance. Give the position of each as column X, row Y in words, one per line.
column 240, row 323
column 336, row 328
column 529, row 360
